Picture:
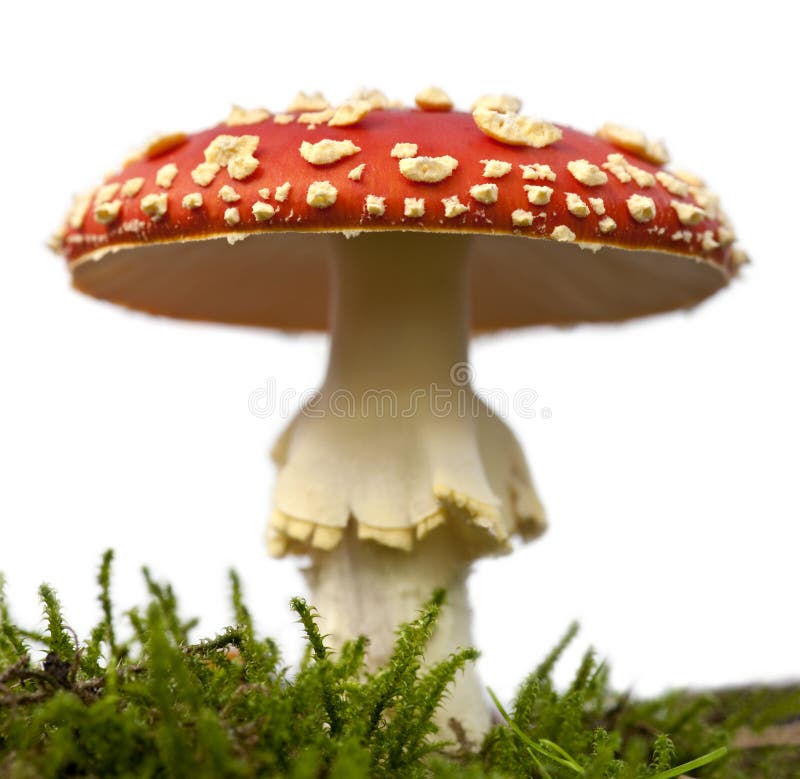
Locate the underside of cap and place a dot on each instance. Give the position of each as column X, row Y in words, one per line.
column 236, row 223
column 281, row 280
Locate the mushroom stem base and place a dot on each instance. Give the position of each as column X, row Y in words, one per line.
column 366, row 588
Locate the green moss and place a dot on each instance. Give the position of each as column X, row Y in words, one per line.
column 158, row 704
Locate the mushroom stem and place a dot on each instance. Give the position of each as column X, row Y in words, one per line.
column 366, row 588
column 399, row 322
column 396, row 439
column 399, row 314
column 398, row 445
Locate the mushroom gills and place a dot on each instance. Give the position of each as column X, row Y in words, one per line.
column 396, row 441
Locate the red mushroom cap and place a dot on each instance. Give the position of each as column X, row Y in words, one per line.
column 149, row 237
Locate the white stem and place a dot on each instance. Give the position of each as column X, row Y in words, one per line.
column 366, row 588
column 398, row 450
column 399, row 313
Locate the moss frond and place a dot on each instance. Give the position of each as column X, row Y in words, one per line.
column 12, row 642
column 58, row 640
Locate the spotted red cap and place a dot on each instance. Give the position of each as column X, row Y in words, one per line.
column 616, row 235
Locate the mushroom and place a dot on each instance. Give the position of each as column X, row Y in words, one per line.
column 402, row 231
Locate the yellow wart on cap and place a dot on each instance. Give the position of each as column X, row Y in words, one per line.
column 707, row 200
column 356, row 173
column 154, row 205
column 641, row 208
column 375, row 205
column 607, row 225
column 538, row 195
column 228, row 194
column 349, row 113
column 321, row 194
column 77, row 212
column 536, row 171
column 624, row 171
column 304, row 101
column 414, row 207
column 484, row 193
column 725, row 235
column 692, row 179
column 106, row 213
column 739, row 256
column 672, row 184
column 166, row 175
column 562, row 233
column 521, row 218
column 132, row 187
column 587, row 173
column 313, row 118
column 453, row 207
column 327, row 151
column 403, row 150
column 159, row 145
column 262, row 211
column 192, row 200
column 598, row 206
column 239, row 116
column 642, row 177
column 516, row 130
column 374, row 97
column 688, row 213
column 242, row 167
column 504, row 104
column 428, row 170
column 234, row 152
column 576, row 206
column 205, row 173
column 105, row 193
column 433, row 99
column 164, row 143
column 635, row 141
column 617, row 167
column 495, row 169
column 708, row 243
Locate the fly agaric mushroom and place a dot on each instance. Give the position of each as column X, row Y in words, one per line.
column 402, row 231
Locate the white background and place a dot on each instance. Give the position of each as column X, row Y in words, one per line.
column 669, row 466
